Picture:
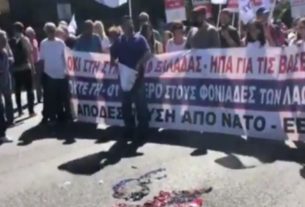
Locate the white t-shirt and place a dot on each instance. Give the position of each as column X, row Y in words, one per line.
column 52, row 52
column 105, row 44
column 172, row 47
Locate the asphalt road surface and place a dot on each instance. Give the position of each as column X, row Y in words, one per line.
column 77, row 165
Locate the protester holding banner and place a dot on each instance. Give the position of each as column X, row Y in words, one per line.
column 205, row 36
column 292, row 32
column 229, row 36
column 114, row 33
column 5, row 84
column 68, row 38
column 145, row 18
column 132, row 51
column 99, row 29
column 300, row 35
column 273, row 33
column 88, row 41
column 52, row 52
column 255, row 36
column 147, row 32
column 177, row 43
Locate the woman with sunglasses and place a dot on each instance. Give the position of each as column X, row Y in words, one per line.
column 177, row 43
column 255, row 35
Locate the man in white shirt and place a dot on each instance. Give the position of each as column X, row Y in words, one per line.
column 52, row 53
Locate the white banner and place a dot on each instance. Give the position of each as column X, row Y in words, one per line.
column 218, row 1
column 267, row 4
column 64, row 11
column 175, row 10
column 251, row 92
column 246, row 11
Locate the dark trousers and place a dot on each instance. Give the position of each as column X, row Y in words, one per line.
column 3, row 124
column 38, row 82
column 137, row 96
column 56, row 99
column 9, row 112
column 24, row 79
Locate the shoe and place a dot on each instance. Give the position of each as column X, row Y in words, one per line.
column 5, row 139
column 21, row 113
column 128, row 134
column 44, row 121
column 52, row 123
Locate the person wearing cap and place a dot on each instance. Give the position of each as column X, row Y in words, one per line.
column 273, row 33
column 143, row 19
column 23, row 67
column 204, row 36
column 229, row 36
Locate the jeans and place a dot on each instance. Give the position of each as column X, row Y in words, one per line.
column 2, row 120
column 24, row 79
column 137, row 96
column 56, row 99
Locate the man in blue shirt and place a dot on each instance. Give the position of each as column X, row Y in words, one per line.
column 132, row 50
column 88, row 41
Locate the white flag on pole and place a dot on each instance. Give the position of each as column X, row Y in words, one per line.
column 112, row 3
column 72, row 28
column 246, row 11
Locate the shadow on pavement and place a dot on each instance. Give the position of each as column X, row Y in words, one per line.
column 232, row 162
column 266, row 151
column 91, row 164
column 68, row 133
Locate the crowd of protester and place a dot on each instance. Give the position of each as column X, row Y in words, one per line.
column 25, row 63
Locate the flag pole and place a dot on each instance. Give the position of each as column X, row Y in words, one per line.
column 130, row 7
column 219, row 12
column 233, row 19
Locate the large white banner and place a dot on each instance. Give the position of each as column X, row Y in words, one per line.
column 256, row 93
column 267, row 4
